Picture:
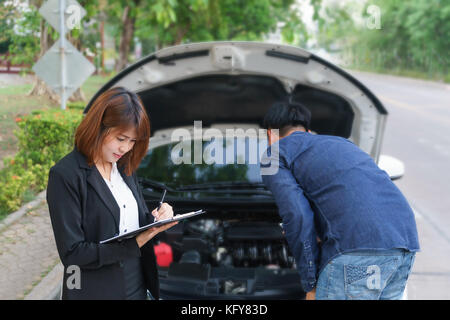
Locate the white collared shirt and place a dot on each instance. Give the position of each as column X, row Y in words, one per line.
column 129, row 212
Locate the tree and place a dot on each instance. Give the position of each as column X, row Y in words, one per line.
column 125, row 13
column 171, row 22
column 78, row 37
column 20, row 28
column 212, row 20
column 414, row 35
column 8, row 14
column 32, row 39
column 128, row 22
column 47, row 38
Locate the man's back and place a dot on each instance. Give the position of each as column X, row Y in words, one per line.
column 326, row 187
column 355, row 204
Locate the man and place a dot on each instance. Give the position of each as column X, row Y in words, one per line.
column 350, row 229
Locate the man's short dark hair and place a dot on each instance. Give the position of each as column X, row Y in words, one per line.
column 284, row 115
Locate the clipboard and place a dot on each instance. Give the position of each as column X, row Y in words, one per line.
column 159, row 223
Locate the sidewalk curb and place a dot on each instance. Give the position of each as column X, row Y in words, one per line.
column 50, row 287
column 13, row 217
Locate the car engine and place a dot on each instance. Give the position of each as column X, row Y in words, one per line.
column 230, row 244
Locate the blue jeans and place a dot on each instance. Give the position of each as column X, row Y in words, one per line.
column 366, row 275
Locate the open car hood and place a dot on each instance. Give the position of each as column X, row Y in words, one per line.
column 236, row 82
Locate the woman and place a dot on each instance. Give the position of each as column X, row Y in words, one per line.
column 93, row 195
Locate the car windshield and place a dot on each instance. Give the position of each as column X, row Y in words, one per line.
column 197, row 162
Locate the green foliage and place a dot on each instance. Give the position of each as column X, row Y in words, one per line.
column 15, row 179
column 87, row 36
column 183, row 21
column 414, row 35
column 45, row 136
column 7, row 15
column 79, row 105
column 24, row 37
column 157, row 23
column 20, row 30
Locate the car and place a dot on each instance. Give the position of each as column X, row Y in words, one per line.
column 206, row 102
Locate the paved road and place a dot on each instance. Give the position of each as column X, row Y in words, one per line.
column 418, row 133
column 14, row 79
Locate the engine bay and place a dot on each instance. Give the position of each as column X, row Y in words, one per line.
column 233, row 244
column 229, row 257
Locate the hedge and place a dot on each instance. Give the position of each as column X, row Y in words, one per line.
column 45, row 136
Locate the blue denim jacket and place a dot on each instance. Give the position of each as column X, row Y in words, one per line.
column 327, row 187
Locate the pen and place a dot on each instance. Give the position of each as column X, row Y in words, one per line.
column 162, row 200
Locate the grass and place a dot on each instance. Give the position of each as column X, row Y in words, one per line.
column 93, row 84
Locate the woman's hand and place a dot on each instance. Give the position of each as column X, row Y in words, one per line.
column 146, row 235
column 165, row 212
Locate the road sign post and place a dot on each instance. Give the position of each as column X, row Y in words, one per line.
column 63, row 68
column 62, row 7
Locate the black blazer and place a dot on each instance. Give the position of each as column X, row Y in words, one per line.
column 83, row 212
